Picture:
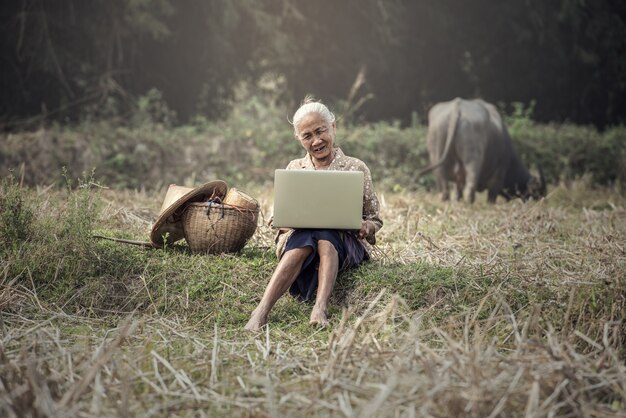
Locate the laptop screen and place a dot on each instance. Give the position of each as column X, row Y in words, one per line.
column 318, row 199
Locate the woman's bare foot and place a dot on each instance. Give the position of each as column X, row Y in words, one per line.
column 318, row 317
column 256, row 321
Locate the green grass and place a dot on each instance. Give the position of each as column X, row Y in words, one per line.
column 460, row 303
column 462, row 310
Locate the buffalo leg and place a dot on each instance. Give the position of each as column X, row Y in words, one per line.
column 494, row 186
column 459, row 177
column 442, row 184
column 471, row 178
column 470, row 192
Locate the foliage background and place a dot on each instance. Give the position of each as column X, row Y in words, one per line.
column 255, row 138
column 68, row 60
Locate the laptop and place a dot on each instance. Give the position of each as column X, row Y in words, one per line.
column 318, row 199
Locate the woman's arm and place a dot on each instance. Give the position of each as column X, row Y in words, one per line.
column 371, row 209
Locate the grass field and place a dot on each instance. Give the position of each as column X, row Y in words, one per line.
column 514, row 309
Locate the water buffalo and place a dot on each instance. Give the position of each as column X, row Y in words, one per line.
column 468, row 143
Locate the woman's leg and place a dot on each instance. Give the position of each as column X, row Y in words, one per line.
column 327, row 274
column 285, row 274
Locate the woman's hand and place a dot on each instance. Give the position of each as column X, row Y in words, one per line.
column 367, row 229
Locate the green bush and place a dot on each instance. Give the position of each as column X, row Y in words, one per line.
column 567, row 151
column 47, row 242
column 256, row 138
column 16, row 215
column 394, row 154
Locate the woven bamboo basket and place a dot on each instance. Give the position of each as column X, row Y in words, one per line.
column 212, row 228
column 240, row 199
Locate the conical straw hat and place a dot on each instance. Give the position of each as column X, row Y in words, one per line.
column 176, row 198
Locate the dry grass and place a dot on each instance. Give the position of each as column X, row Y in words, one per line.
column 532, row 325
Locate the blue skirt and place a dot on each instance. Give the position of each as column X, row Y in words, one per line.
column 350, row 250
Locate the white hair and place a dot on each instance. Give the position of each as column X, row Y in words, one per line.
column 311, row 105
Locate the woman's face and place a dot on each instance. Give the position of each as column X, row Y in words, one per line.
column 316, row 136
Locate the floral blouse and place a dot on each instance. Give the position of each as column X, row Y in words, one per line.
column 341, row 162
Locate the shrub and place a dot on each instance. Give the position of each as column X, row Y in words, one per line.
column 256, row 138
column 393, row 154
column 47, row 243
column 567, row 151
column 16, row 214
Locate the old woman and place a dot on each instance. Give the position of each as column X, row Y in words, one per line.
column 310, row 259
